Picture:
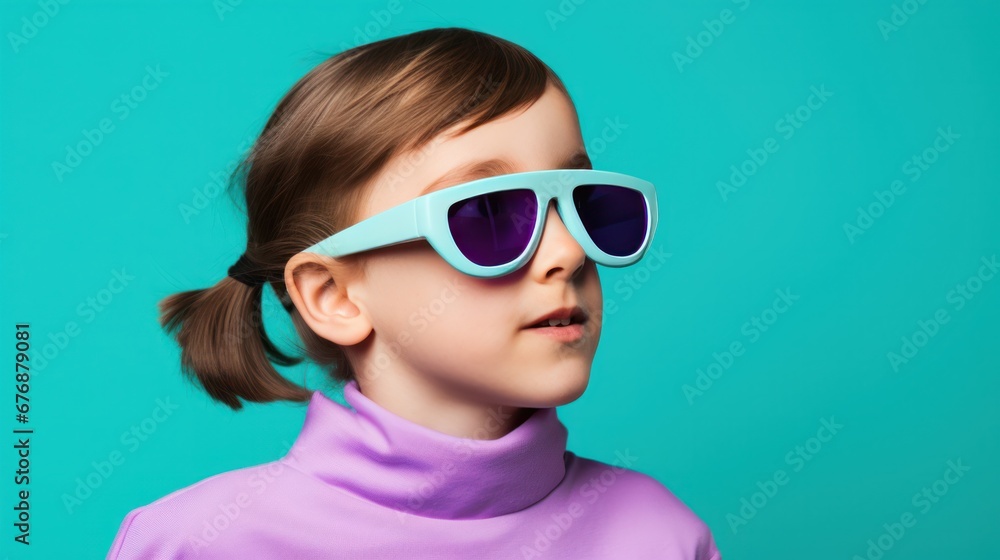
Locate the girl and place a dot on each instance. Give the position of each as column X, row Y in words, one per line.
column 425, row 210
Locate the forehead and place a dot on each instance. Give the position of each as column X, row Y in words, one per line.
column 546, row 135
column 478, row 169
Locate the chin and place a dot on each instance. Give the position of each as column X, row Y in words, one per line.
column 549, row 390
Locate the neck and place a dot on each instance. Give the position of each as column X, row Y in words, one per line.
column 450, row 412
column 372, row 453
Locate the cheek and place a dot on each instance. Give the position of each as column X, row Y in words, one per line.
column 414, row 293
column 592, row 282
column 593, row 296
column 456, row 310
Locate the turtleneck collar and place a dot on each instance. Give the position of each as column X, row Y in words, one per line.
column 376, row 455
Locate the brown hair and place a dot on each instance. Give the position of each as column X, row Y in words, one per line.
column 305, row 176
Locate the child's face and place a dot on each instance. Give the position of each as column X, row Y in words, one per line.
column 419, row 325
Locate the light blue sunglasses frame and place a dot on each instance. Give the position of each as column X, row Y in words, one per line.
column 426, row 217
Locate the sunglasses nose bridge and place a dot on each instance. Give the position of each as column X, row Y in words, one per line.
column 551, row 202
column 549, row 193
column 553, row 249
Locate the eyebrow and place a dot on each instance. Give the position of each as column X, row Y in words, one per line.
column 481, row 169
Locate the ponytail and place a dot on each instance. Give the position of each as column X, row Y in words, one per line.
column 224, row 345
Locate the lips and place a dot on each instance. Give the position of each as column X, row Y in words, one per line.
column 576, row 315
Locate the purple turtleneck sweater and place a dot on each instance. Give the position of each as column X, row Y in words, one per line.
column 363, row 483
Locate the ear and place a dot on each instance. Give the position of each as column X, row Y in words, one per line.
column 320, row 289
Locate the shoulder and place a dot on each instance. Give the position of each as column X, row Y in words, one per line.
column 184, row 522
column 644, row 505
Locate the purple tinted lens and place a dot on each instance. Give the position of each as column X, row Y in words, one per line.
column 615, row 217
column 494, row 228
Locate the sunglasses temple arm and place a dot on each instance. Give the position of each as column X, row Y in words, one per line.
column 395, row 225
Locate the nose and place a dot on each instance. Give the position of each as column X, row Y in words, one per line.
column 558, row 253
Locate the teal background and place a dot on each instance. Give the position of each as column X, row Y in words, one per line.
column 825, row 356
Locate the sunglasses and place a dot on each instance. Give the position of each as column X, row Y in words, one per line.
column 491, row 227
